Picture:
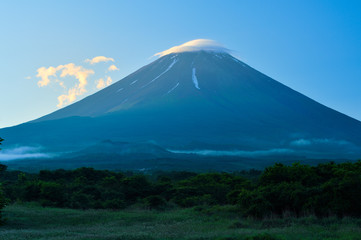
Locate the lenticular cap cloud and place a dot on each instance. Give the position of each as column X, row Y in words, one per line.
column 195, row 45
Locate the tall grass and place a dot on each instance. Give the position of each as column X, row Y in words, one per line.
column 30, row 221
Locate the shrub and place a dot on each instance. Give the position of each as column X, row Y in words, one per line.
column 2, row 204
column 155, row 202
column 52, row 193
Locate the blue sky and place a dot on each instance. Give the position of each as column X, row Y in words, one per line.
column 313, row 47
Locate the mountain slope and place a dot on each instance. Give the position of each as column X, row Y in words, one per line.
column 197, row 100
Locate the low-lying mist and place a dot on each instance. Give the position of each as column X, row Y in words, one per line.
column 239, row 153
column 22, row 152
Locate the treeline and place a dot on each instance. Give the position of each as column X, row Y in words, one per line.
column 85, row 188
column 298, row 190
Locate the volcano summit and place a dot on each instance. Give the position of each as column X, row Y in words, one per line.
column 196, row 99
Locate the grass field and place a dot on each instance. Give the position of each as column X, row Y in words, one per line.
column 27, row 221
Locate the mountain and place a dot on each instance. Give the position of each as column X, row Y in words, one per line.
column 202, row 102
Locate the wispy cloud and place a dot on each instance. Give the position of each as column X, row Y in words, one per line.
column 301, row 142
column 319, row 141
column 72, row 90
column 195, row 45
column 99, row 59
column 23, row 152
column 101, row 83
column 44, row 73
column 113, row 68
column 68, row 98
column 109, row 81
column 28, row 77
column 79, row 72
column 240, row 153
column 61, row 83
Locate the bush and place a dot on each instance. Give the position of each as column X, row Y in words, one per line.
column 155, row 202
column 324, row 190
column 208, row 188
column 81, row 201
column 52, row 193
column 32, row 191
column 2, row 205
column 253, row 203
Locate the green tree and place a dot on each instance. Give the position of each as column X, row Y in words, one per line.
column 208, row 188
column 52, row 194
column 2, row 197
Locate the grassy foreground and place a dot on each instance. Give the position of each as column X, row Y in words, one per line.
column 35, row 222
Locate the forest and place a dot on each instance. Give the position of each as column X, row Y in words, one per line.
column 325, row 190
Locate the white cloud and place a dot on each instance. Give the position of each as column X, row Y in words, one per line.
column 99, row 59
column 79, row 72
column 100, row 83
column 195, row 45
column 67, row 98
column 113, row 68
column 60, row 73
column 44, row 74
column 109, row 81
column 28, row 77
